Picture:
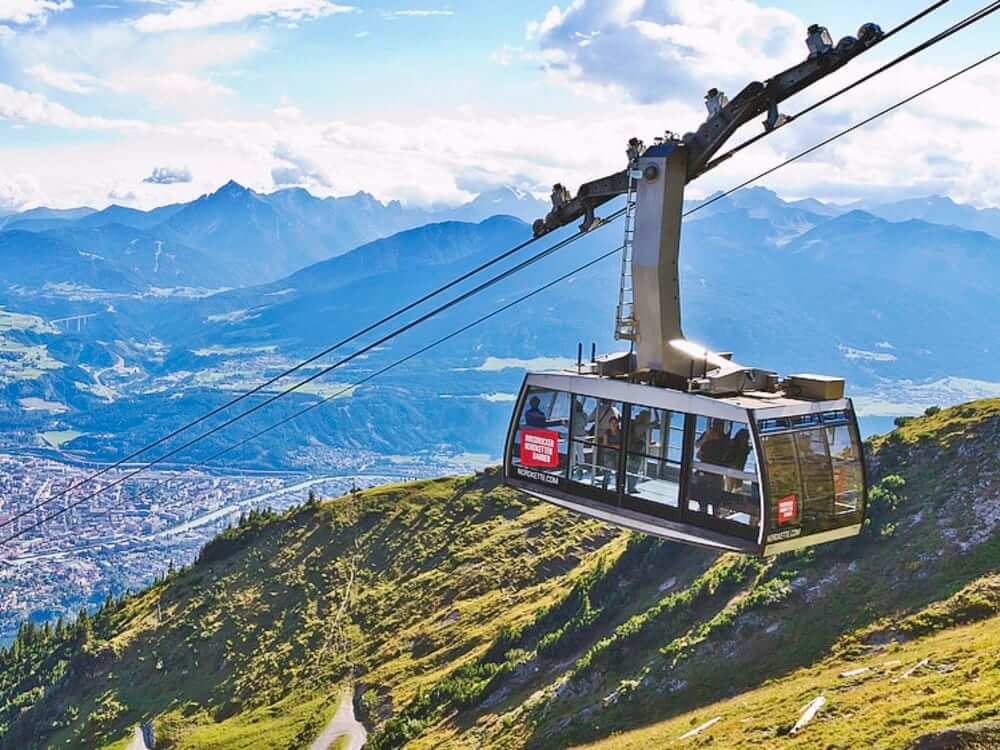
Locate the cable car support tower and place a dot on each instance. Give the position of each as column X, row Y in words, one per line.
column 648, row 312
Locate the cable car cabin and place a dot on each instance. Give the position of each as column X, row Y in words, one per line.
column 754, row 473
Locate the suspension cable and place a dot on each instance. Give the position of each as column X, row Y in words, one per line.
column 846, row 131
column 403, row 360
column 305, row 381
column 271, row 381
column 936, row 39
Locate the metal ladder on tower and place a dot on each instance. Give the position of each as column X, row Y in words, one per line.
column 625, row 323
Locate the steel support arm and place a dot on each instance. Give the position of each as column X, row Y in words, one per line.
column 726, row 117
column 758, row 98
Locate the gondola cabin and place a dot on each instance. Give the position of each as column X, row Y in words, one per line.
column 669, row 438
column 752, row 473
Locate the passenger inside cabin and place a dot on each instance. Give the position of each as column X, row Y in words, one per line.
column 713, row 444
column 534, row 416
column 638, row 445
column 579, row 421
column 736, row 458
column 611, row 443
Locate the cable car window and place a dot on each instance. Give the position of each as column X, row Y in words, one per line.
column 541, row 441
column 724, row 473
column 596, row 441
column 655, row 450
column 817, row 477
column 782, row 479
column 848, row 476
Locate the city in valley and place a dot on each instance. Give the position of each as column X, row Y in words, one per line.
column 120, row 540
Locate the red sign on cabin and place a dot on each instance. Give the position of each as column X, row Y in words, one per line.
column 540, row 449
column 788, row 509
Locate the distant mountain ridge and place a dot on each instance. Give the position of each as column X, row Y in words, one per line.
column 253, row 238
column 779, row 284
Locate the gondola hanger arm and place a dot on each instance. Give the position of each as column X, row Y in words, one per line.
column 726, row 116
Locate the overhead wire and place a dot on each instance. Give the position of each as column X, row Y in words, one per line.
column 922, row 47
column 305, row 381
column 844, row 132
column 271, row 381
column 204, row 463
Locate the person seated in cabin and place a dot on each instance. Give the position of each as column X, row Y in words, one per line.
column 611, row 443
column 534, row 416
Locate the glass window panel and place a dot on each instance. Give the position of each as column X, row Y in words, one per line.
column 541, row 441
column 655, row 448
column 817, row 476
column 848, row 475
column 783, row 479
column 723, row 477
column 596, row 441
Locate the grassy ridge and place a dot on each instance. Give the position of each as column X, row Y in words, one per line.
column 467, row 616
column 248, row 646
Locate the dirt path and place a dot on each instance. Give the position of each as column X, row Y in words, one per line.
column 138, row 739
column 343, row 724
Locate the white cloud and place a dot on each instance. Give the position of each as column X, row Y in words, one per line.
column 656, row 49
column 74, row 83
column 6, row 32
column 296, row 169
column 189, row 73
column 361, row 35
column 929, row 147
column 162, row 86
column 420, row 13
column 507, row 54
column 121, row 196
column 31, row 11
column 168, row 176
column 206, row 13
column 35, row 109
column 17, row 192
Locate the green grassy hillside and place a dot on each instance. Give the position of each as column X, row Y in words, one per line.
column 467, row 616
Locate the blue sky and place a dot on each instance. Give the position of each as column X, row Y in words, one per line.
column 148, row 101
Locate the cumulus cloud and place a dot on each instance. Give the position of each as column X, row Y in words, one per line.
column 656, row 49
column 206, row 13
column 296, row 169
column 6, row 32
column 31, row 11
column 17, row 192
column 29, row 108
column 169, row 176
column 74, row 83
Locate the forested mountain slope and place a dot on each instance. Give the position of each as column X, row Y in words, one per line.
column 467, row 616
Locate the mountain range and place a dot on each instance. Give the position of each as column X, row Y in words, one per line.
column 246, row 237
column 787, row 285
